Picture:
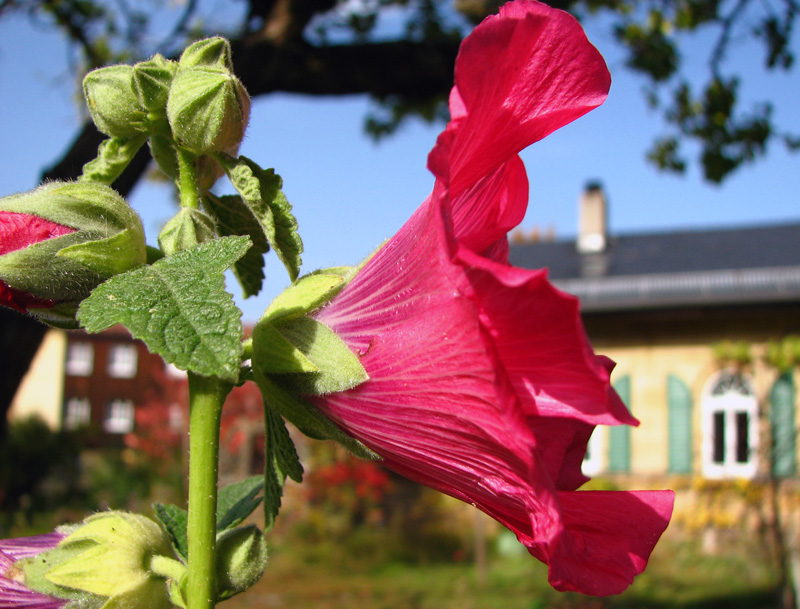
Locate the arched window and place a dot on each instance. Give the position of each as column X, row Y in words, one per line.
column 730, row 427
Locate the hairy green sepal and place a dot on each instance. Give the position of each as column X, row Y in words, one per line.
column 187, row 229
column 112, row 102
column 108, row 239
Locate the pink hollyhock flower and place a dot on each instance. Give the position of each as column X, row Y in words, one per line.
column 14, row 594
column 482, row 383
column 18, row 231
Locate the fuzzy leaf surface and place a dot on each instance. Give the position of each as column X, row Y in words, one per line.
column 175, row 520
column 179, row 307
column 261, row 191
column 237, row 501
column 234, row 218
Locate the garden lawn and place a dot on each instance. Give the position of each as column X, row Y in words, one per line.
column 679, row 576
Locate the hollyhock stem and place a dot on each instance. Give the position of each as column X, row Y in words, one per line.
column 206, row 396
column 190, row 193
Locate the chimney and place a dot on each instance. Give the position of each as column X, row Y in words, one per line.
column 592, row 237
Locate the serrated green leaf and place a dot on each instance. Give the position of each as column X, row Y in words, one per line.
column 237, row 501
column 313, row 358
column 179, row 307
column 233, row 217
column 261, row 191
column 175, row 520
column 281, row 462
column 306, row 417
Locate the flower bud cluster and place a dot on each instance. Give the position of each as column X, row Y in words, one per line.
column 196, row 103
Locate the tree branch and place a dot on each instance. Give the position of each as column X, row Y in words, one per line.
column 409, row 69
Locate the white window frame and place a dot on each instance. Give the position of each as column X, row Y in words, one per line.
column 727, row 396
column 122, row 361
column 119, row 417
column 77, row 413
column 595, row 449
column 80, row 359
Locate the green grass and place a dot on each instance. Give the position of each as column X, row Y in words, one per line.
column 679, row 576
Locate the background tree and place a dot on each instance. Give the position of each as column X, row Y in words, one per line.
column 401, row 54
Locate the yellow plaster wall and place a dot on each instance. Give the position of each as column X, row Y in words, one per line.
column 42, row 387
column 649, row 366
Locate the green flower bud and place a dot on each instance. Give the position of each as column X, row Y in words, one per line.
column 151, row 82
column 60, row 241
column 185, row 230
column 208, row 109
column 241, row 560
column 105, row 561
column 209, row 53
column 113, row 103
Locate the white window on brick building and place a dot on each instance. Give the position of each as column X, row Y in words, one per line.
column 119, row 416
column 730, row 427
column 122, row 361
column 80, row 359
column 77, row 413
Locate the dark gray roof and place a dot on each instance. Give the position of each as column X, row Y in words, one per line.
column 720, row 266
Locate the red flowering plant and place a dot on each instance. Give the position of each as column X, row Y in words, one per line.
column 482, row 383
column 434, row 356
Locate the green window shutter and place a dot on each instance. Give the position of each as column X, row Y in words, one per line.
column 619, row 436
column 782, row 422
column 679, row 426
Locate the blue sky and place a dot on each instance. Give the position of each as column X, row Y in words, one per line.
column 350, row 194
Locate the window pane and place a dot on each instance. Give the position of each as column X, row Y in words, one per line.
column 78, row 413
column 119, row 417
column 122, row 361
column 742, row 444
column 719, row 437
column 80, row 357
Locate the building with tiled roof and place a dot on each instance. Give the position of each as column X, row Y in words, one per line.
column 662, row 305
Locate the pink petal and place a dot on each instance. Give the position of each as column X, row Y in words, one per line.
column 434, row 407
column 482, row 381
column 14, row 595
column 519, row 76
column 562, row 446
column 22, row 301
column 485, row 212
column 610, row 535
column 540, row 341
column 18, row 231
column 23, row 547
